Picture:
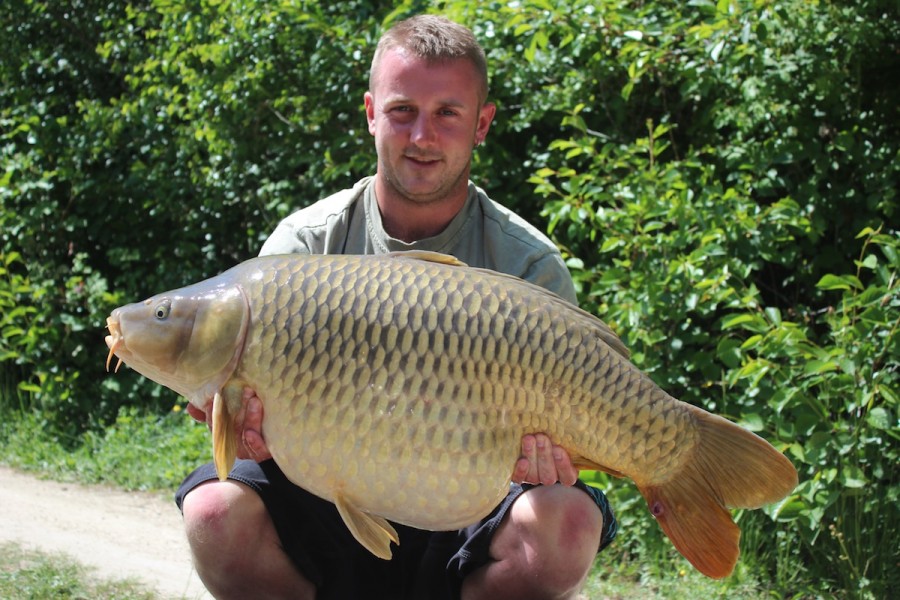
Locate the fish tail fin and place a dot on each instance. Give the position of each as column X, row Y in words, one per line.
column 729, row 468
column 699, row 527
column 224, row 445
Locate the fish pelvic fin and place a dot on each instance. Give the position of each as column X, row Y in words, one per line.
column 581, row 463
column 372, row 531
column 729, row 468
column 224, row 446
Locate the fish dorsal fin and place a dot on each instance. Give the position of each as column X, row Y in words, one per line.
column 435, row 257
column 604, row 331
column 373, row 532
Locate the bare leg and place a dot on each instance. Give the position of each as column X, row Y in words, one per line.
column 235, row 547
column 543, row 549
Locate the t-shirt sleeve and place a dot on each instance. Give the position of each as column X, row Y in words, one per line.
column 551, row 273
column 284, row 240
column 321, row 228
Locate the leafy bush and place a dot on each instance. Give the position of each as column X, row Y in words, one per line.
column 150, row 145
column 712, row 227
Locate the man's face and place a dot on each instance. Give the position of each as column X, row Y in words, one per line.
column 426, row 118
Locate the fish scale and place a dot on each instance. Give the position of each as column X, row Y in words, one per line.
column 399, row 388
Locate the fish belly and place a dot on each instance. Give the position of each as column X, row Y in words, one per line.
column 408, row 468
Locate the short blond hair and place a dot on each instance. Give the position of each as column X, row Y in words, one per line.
column 435, row 39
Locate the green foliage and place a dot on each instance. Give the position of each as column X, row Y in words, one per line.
column 151, row 144
column 140, row 450
column 721, row 175
column 836, row 399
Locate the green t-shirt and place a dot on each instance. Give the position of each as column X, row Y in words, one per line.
column 483, row 234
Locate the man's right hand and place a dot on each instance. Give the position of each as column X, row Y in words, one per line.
column 247, row 426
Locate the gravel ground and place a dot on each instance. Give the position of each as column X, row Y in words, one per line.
column 124, row 535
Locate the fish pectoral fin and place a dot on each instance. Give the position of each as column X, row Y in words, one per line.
column 224, row 448
column 585, row 464
column 435, row 257
column 372, row 531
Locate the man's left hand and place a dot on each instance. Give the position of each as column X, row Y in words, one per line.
column 543, row 462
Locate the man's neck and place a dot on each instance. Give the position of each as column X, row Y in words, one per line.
column 410, row 221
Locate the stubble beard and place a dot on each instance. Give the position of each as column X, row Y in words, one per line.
column 444, row 186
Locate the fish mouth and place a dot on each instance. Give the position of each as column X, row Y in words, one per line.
column 114, row 340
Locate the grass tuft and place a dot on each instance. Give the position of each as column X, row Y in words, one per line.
column 33, row 575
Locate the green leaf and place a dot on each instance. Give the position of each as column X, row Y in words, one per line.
column 753, row 421
column 734, row 321
column 839, row 282
column 869, row 262
column 879, row 418
column 853, row 477
column 788, row 509
column 816, row 367
column 750, row 322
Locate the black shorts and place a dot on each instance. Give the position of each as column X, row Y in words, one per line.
column 427, row 564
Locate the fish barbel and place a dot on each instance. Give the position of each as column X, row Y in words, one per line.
column 399, row 387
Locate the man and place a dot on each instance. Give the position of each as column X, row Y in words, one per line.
column 258, row 536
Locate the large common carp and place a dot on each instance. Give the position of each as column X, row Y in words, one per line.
column 399, row 387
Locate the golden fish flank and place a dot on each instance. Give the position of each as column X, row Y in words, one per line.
column 389, row 381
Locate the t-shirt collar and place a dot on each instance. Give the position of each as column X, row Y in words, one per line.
column 442, row 242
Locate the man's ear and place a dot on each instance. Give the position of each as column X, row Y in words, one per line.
column 485, row 117
column 370, row 111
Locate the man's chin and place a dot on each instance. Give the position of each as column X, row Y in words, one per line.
column 420, row 192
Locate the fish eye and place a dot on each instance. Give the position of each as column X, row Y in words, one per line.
column 162, row 310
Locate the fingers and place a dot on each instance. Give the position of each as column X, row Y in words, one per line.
column 546, row 466
column 251, row 428
column 196, row 413
column 565, row 470
column 520, row 473
column 526, row 467
column 252, row 410
column 247, row 426
column 542, row 462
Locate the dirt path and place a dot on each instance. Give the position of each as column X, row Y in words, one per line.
column 120, row 534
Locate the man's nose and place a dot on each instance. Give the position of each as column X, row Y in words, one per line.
column 423, row 130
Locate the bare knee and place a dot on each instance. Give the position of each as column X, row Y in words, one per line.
column 543, row 549
column 216, row 514
column 569, row 520
column 218, row 521
column 234, row 544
